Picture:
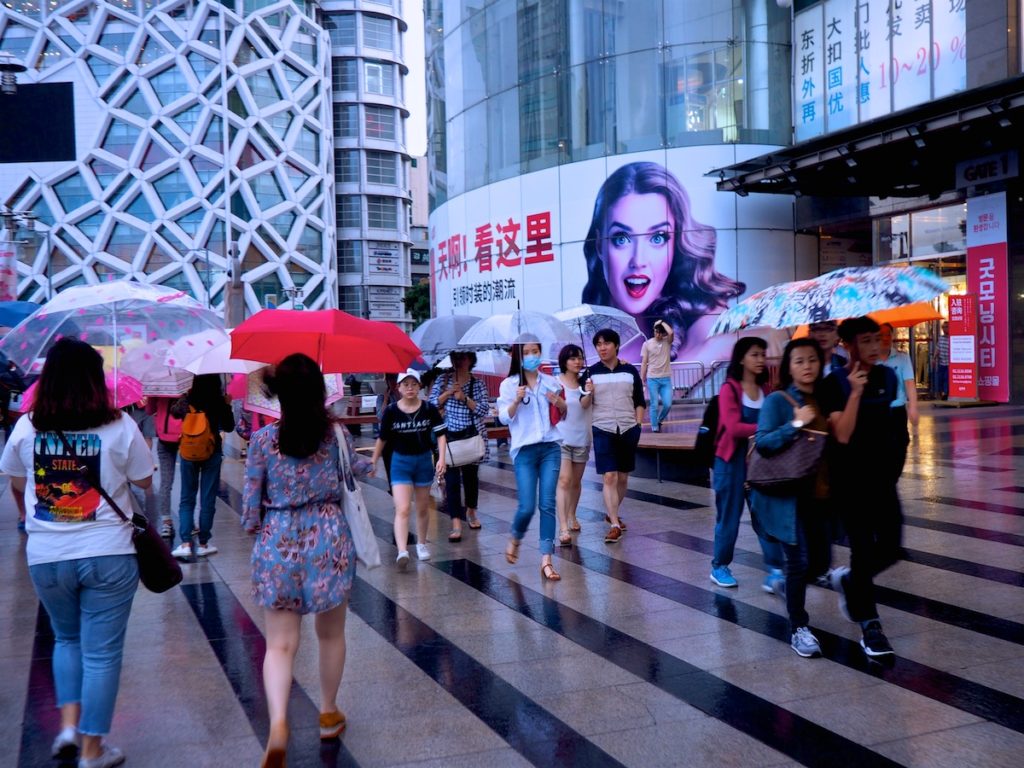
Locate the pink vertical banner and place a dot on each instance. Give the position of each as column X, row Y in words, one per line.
column 8, row 276
column 988, row 280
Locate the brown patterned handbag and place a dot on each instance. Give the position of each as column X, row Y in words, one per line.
column 786, row 471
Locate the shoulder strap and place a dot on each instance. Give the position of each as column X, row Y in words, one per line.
column 344, row 465
column 792, row 400
column 90, row 478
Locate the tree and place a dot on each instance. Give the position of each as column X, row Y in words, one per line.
column 417, row 301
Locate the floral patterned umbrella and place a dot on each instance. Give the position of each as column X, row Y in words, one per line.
column 836, row 295
column 121, row 315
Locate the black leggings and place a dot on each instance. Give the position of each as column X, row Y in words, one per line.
column 457, row 478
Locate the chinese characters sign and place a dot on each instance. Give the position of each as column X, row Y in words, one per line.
column 963, row 362
column 497, row 253
column 855, row 60
column 987, row 279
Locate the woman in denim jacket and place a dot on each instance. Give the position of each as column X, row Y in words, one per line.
column 797, row 521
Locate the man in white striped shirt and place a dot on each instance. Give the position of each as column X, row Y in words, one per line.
column 617, row 410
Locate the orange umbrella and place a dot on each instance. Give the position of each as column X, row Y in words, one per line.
column 898, row 317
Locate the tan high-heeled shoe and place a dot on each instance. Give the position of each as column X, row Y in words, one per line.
column 276, row 755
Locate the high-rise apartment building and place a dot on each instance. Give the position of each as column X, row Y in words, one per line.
column 372, row 201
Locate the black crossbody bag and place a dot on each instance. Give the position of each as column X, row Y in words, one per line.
column 158, row 570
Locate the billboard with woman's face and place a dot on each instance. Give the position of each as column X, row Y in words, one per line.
column 645, row 233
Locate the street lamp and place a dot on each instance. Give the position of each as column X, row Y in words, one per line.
column 9, row 71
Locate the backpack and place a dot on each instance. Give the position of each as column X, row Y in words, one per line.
column 707, row 434
column 197, row 438
column 168, row 428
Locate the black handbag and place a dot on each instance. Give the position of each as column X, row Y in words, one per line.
column 158, row 570
column 786, row 471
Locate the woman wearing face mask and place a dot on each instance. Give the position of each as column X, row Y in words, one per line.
column 796, row 521
column 524, row 404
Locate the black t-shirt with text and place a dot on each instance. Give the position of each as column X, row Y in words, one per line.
column 411, row 433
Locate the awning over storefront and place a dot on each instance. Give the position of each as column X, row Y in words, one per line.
column 912, row 153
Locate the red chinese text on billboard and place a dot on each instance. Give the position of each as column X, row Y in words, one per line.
column 495, row 246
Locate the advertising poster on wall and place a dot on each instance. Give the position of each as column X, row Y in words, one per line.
column 646, row 233
column 963, row 360
column 987, row 279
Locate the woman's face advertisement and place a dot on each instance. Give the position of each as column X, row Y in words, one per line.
column 637, row 250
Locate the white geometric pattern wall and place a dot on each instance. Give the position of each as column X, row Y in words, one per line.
column 155, row 99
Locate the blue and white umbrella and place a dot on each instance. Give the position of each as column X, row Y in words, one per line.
column 843, row 293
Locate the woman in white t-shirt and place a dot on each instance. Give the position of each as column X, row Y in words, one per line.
column 576, row 439
column 80, row 553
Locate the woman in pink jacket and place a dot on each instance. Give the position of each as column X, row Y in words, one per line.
column 739, row 405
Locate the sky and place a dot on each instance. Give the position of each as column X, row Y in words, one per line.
column 415, row 85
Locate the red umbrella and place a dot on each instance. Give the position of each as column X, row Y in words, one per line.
column 338, row 341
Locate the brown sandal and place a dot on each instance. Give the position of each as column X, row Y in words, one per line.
column 564, row 539
column 575, row 527
column 512, row 551
column 548, row 572
column 622, row 523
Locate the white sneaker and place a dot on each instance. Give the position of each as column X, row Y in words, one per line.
column 423, row 552
column 206, row 549
column 183, row 550
column 110, row 757
column 402, row 562
column 65, row 746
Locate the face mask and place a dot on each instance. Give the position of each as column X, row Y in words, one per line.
column 531, row 362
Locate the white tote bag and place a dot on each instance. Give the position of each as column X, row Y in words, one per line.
column 354, row 507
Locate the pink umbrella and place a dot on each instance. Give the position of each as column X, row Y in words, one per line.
column 125, row 391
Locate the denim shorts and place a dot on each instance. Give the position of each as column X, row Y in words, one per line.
column 412, row 469
column 616, row 451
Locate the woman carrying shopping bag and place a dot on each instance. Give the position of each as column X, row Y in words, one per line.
column 303, row 560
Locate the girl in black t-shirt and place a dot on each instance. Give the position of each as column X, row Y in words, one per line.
column 409, row 428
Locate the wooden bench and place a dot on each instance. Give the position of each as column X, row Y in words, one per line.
column 677, row 447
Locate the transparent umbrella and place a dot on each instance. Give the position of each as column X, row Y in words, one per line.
column 588, row 319
column 438, row 336
column 499, row 331
column 120, row 315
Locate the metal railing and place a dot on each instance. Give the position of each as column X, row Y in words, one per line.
column 693, row 382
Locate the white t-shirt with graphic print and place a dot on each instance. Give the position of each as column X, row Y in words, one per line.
column 66, row 518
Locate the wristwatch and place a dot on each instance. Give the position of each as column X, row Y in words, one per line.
column 797, row 423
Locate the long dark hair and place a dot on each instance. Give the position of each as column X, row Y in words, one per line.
column 299, row 386
column 71, row 392
column 207, row 392
column 739, row 351
column 785, row 377
column 693, row 287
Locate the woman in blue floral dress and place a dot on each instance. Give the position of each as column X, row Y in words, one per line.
column 303, row 560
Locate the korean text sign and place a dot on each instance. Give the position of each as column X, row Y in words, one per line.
column 987, row 279
column 963, row 360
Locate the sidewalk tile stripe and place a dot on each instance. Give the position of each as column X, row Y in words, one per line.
column 529, row 728
column 795, row 736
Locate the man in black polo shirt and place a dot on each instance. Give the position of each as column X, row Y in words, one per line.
column 864, row 468
column 617, row 412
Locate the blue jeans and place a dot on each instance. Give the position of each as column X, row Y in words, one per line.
column 537, row 468
column 660, row 389
column 202, row 477
column 730, row 496
column 88, row 601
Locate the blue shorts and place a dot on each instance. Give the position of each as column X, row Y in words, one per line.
column 416, row 469
column 615, row 451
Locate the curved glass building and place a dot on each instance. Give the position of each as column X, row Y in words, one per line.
column 535, row 104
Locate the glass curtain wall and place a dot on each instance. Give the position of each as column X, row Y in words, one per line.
column 515, row 86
